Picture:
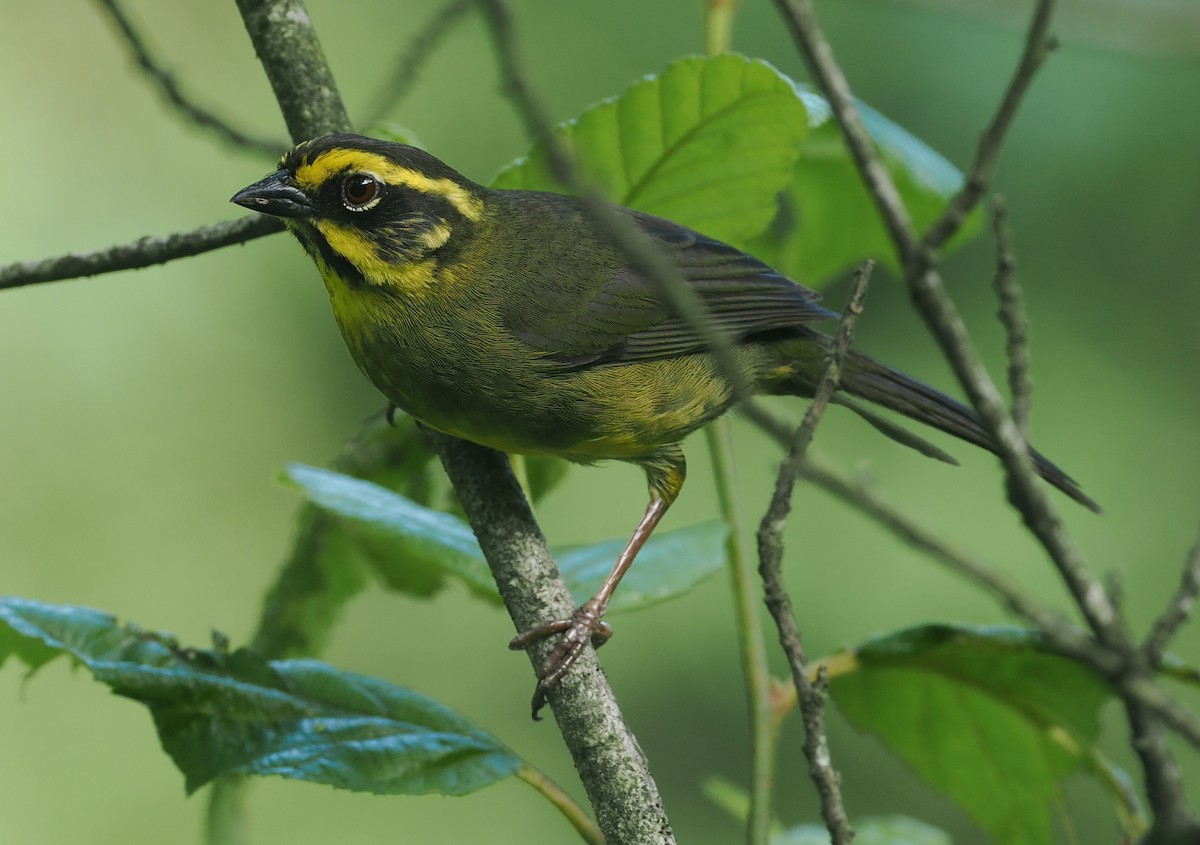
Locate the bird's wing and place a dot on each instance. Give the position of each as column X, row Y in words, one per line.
column 622, row 318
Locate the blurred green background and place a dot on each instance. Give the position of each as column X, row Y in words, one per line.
column 144, row 416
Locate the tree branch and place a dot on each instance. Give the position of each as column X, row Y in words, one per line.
column 810, row 696
column 607, row 756
column 286, row 44
column 610, row 761
column 169, row 90
column 144, row 252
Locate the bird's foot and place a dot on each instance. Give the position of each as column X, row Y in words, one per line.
column 584, row 626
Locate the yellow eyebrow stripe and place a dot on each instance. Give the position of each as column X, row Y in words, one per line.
column 310, row 175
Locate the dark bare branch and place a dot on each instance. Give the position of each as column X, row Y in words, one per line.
column 810, row 696
column 144, row 252
column 1013, row 317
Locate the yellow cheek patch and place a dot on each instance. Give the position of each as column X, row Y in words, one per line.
column 312, row 174
column 410, row 277
column 436, row 237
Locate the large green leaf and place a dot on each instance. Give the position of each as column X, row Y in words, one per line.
column 412, row 547
column 734, row 149
column 401, row 537
column 234, row 713
column 708, row 143
column 987, row 715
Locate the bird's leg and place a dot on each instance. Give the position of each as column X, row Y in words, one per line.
column 587, row 624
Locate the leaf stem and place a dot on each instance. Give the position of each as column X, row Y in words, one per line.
column 225, row 816
column 718, row 26
column 554, row 793
column 751, row 642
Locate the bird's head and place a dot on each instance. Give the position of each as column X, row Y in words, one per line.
column 370, row 210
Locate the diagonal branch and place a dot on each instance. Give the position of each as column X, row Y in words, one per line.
column 1178, row 609
column 144, row 252
column 611, row 764
column 606, row 754
column 1038, row 45
column 170, row 91
column 410, row 60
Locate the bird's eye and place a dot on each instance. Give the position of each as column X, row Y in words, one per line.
column 361, row 191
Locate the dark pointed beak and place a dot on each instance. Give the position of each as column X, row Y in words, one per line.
column 275, row 196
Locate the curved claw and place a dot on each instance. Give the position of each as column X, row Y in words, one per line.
column 584, row 626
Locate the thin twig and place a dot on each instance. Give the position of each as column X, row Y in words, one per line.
column 144, row 252
column 1178, row 609
column 1013, row 317
column 412, row 58
column 756, row 671
column 920, row 537
column 818, row 53
column 1176, row 717
column 811, row 696
column 168, row 88
column 1038, row 45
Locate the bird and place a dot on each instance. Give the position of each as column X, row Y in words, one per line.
column 510, row 318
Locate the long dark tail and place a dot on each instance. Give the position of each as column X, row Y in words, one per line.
column 866, row 378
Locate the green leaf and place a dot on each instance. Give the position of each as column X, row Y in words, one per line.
column 888, row 830
column 412, row 547
column 827, row 220
column 409, row 544
column 736, row 150
column 708, row 143
column 326, row 568
column 234, row 713
column 987, row 715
